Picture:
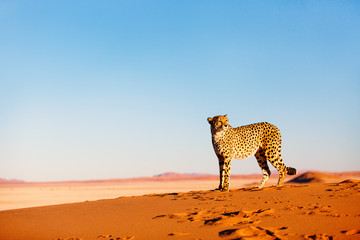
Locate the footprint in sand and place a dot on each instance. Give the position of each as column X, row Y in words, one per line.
column 187, row 217
column 176, row 234
column 291, row 207
column 225, row 218
column 351, row 232
column 230, row 221
column 238, row 217
column 72, row 238
column 111, row 237
column 260, row 212
column 318, row 237
column 251, row 232
column 315, row 209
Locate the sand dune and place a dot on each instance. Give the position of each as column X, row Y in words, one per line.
column 311, row 211
column 16, row 194
column 316, row 177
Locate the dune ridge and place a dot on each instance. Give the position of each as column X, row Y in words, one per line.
column 315, row 177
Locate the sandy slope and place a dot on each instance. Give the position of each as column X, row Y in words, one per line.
column 20, row 194
column 24, row 195
column 315, row 211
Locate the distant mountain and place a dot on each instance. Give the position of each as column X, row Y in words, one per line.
column 3, row 180
column 181, row 176
column 306, row 177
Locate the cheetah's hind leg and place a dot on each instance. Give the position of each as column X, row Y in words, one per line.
column 282, row 171
column 261, row 159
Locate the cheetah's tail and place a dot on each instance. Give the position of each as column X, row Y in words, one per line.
column 291, row 171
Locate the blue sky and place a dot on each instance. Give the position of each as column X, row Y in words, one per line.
column 113, row 89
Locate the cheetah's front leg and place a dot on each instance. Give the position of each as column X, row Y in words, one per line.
column 224, row 166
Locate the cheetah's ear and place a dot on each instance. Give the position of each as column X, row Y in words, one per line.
column 225, row 115
column 209, row 119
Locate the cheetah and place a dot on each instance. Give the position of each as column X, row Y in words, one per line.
column 260, row 139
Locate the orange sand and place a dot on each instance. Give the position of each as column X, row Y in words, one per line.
column 314, row 211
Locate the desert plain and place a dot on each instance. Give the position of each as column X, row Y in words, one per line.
column 311, row 205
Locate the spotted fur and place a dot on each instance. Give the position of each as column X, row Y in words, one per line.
column 260, row 139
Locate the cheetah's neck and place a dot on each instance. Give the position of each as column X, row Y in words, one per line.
column 219, row 136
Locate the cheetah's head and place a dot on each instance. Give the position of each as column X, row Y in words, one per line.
column 218, row 123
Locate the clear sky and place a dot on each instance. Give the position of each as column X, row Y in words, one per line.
column 115, row 89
